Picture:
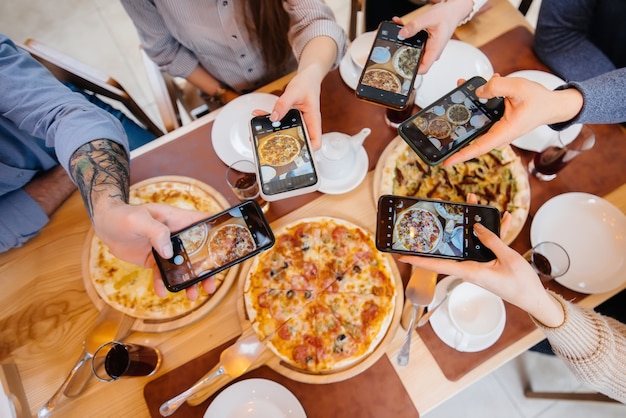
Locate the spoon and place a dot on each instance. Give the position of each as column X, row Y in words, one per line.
column 419, row 291
column 424, row 319
column 234, row 361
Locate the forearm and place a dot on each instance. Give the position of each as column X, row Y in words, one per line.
column 318, row 57
column 593, row 346
column 50, row 189
column 100, row 170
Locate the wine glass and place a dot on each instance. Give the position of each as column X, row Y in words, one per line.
column 549, row 260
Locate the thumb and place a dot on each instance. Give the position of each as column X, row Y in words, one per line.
column 491, row 240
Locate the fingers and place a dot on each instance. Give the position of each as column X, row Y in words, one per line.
column 441, row 266
column 505, row 224
column 157, row 283
column 209, row 285
column 192, row 292
column 492, row 241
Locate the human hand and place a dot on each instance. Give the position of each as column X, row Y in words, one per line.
column 509, row 276
column 303, row 95
column 131, row 231
column 440, row 21
column 527, row 105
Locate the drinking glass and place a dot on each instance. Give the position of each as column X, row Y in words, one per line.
column 547, row 163
column 114, row 360
column 241, row 177
column 549, row 260
column 394, row 118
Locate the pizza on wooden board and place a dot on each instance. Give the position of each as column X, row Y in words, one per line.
column 324, row 295
column 128, row 287
column 498, row 179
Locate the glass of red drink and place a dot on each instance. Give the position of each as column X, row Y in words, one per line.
column 241, row 177
column 549, row 260
column 114, row 360
column 547, row 163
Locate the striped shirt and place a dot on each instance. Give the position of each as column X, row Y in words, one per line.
column 180, row 34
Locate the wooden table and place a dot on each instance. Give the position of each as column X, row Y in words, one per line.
column 45, row 312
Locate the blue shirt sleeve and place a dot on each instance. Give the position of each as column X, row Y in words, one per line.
column 38, row 104
column 39, row 117
column 22, row 218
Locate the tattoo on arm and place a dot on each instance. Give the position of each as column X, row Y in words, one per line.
column 100, row 170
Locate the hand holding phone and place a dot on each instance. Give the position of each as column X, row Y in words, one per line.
column 215, row 244
column 435, row 228
column 283, row 157
column 391, row 67
column 451, row 122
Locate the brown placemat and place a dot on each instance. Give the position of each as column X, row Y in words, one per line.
column 455, row 364
column 360, row 396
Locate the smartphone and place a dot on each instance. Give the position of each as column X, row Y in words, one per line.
column 450, row 123
column 283, row 157
column 415, row 226
column 215, row 244
column 391, row 67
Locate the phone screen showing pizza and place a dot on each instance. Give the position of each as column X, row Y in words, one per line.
column 283, row 153
column 452, row 121
column 391, row 68
column 430, row 227
column 209, row 246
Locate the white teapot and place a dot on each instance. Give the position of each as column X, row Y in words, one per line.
column 337, row 156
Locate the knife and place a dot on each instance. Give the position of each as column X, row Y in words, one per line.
column 110, row 325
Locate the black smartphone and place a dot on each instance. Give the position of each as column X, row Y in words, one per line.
column 283, row 157
column 414, row 226
column 214, row 244
column 391, row 67
column 450, row 123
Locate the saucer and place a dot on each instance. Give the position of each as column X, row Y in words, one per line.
column 255, row 398
column 440, row 322
column 350, row 182
column 231, row 130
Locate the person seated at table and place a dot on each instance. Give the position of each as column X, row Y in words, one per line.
column 48, row 132
column 233, row 47
column 581, row 39
column 527, row 104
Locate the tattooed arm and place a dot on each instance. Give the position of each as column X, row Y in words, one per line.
column 100, row 170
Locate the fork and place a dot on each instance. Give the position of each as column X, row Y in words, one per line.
column 419, row 291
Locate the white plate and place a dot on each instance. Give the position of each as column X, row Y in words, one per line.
column 255, row 398
column 349, row 72
column 458, row 60
column 231, row 129
column 350, row 182
column 539, row 138
column 593, row 232
column 360, row 48
column 440, row 321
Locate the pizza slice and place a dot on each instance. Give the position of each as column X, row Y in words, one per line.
column 296, row 341
column 364, row 316
column 269, row 309
column 338, row 348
